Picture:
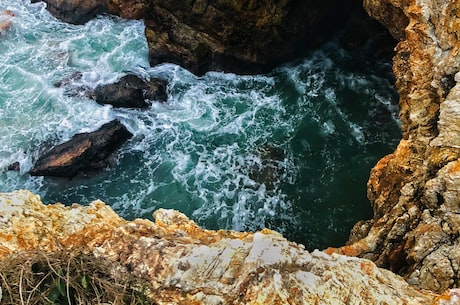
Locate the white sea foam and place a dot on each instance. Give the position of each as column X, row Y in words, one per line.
column 235, row 152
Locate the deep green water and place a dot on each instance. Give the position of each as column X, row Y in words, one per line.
column 290, row 150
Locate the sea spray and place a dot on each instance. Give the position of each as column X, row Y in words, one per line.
column 290, row 150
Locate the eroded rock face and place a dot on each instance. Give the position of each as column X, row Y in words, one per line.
column 188, row 265
column 237, row 36
column 415, row 191
column 83, row 152
column 242, row 36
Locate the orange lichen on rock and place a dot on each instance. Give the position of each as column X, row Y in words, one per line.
column 185, row 264
column 26, row 223
column 414, row 191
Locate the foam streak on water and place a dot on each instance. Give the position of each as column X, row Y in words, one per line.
column 290, row 150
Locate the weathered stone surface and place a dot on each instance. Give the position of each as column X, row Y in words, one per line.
column 235, row 36
column 84, row 152
column 390, row 13
column 129, row 9
column 188, row 265
column 75, row 11
column 131, row 92
column 28, row 224
column 415, row 191
column 238, row 36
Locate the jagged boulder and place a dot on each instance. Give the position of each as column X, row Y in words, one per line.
column 83, row 152
column 130, row 91
column 75, row 11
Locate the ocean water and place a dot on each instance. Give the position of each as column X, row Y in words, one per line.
column 290, row 150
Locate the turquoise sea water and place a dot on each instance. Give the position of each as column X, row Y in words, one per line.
column 290, row 150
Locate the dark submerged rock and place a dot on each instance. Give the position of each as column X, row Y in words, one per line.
column 14, row 167
column 84, row 152
column 130, row 92
column 268, row 171
column 75, row 11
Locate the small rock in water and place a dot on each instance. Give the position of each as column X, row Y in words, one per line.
column 14, row 166
column 269, row 171
column 84, row 152
column 75, row 11
column 130, row 92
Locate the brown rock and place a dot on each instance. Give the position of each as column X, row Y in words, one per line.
column 238, row 36
column 75, row 11
column 84, row 152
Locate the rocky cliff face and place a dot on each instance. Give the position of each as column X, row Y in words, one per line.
column 188, row 265
column 242, row 36
column 415, row 191
column 237, row 36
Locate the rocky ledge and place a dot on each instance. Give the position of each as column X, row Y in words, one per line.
column 185, row 264
column 415, row 191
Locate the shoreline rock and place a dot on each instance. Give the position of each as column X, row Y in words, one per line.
column 75, row 11
column 83, row 152
column 415, row 191
column 185, row 264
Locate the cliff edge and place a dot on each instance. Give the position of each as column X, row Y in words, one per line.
column 415, row 191
column 184, row 264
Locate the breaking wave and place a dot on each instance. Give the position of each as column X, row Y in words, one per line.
column 290, row 150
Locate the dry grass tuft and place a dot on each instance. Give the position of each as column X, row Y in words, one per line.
column 62, row 278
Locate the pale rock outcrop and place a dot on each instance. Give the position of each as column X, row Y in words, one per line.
column 188, row 265
column 415, row 191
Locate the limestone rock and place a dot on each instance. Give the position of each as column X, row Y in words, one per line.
column 390, row 13
column 415, row 191
column 188, row 265
column 28, row 224
column 83, row 152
